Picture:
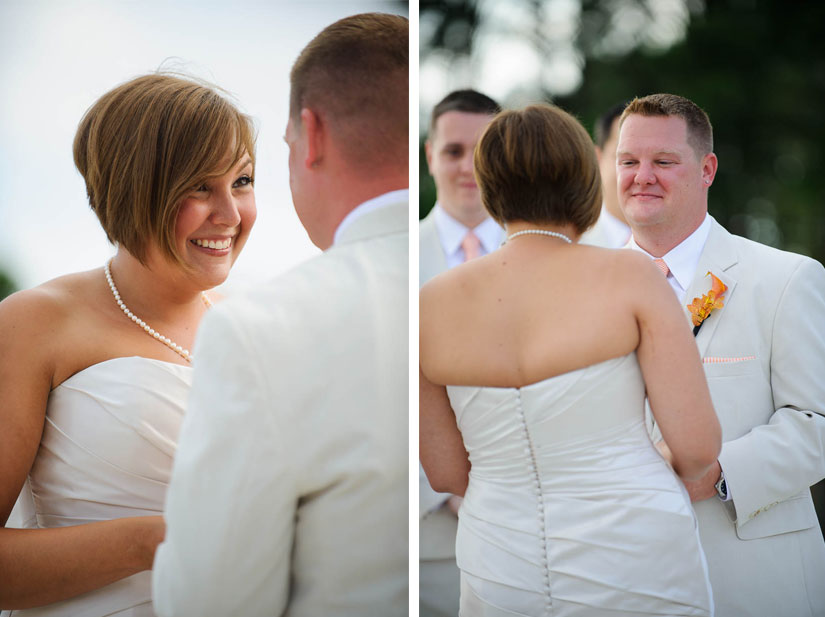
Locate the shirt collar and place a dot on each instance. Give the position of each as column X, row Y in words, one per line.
column 683, row 258
column 376, row 203
column 451, row 232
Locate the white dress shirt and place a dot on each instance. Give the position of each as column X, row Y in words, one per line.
column 682, row 259
column 451, row 233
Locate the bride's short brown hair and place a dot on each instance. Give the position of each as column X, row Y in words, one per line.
column 143, row 145
column 538, row 165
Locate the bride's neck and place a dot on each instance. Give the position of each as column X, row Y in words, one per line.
column 156, row 289
column 569, row 230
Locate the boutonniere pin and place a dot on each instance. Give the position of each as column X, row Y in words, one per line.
column 701, row 308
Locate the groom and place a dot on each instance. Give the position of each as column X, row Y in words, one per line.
column 764, row 355
column 289, row 493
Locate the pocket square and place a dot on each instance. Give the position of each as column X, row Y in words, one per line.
column 724, row 360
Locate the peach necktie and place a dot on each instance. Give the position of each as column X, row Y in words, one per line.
column 471, row 246
column 660, row 263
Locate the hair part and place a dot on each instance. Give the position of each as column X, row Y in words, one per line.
column 538, row 165
column 466, row 101
column 355, row 74
column 148, row 142
column 699, row 129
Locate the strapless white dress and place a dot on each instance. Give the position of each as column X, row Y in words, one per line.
column 570, row 509
column 107, row 448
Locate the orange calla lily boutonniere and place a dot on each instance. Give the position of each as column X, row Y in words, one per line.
column 701, row 308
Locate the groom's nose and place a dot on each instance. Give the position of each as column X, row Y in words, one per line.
column 644, row 174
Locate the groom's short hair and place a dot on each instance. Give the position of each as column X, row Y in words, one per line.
column 356, row 74
column 699, row 129
column 538, row 165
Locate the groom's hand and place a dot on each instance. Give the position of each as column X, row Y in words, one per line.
column 704, row 487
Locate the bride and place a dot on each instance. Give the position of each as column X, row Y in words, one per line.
column 95, row 368
column 547, row 349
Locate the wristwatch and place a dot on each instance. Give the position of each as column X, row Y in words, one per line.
column 722, row 487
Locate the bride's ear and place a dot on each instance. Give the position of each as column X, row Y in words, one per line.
column 315, row 129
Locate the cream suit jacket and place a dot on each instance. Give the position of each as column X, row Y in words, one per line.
column 431, row 257
column 764, row 355
column 289, row 493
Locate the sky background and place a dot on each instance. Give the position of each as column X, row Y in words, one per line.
column 57, row 57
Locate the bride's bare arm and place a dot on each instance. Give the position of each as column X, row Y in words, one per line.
column 676, row 385
column 440, row 445
column 40, row 566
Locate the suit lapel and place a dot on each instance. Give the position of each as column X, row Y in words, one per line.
column 718, row 256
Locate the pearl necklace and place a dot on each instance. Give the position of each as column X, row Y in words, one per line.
column 541, row 232
column 184, row 353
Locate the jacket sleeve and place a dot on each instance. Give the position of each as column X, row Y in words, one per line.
column 229, row 516
column 778, row 460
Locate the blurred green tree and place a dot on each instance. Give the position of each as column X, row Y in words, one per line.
column 7, row 285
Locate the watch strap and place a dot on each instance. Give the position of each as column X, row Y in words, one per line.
column 722, row 487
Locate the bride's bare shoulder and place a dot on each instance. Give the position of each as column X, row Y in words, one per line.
column 621, row 257
column 41, row 309
column 451, row 288
column 621, row 266
column 437, row 287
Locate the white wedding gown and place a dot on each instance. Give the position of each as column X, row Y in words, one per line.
column 570, row 509
column 106, row 452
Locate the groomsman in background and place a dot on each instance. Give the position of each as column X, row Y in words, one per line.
column 289, row 492
column 761, row 334
column 457, row 229
column 611, row 230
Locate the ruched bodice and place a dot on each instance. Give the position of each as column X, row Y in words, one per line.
column 570, row 509
column 106, row 452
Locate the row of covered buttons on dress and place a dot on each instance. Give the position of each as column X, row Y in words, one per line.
column 533, row 469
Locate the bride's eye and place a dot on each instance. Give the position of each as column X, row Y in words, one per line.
column 244, row 180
